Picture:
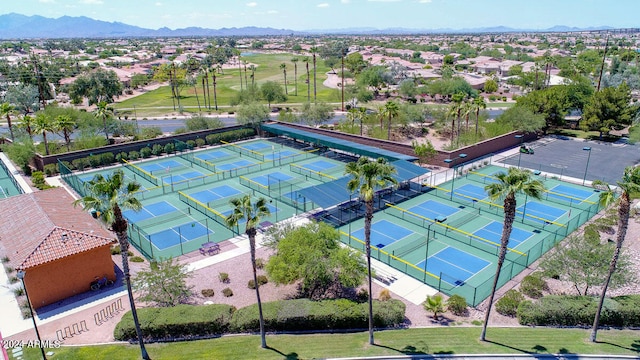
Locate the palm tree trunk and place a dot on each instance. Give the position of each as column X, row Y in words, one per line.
column 308, row 84
column 285, row 82
column 46, row 145
column 208, row 92
column 477, row 120
column 389, row 128
column 10, row 127
column 315, row 92
column 195, row 89
column 623, row 223
column 295, row 75
column 215, row 94
column 252, row 245
column 67, row 139
column 120, row 228
column 509, row 217
column 367, row 236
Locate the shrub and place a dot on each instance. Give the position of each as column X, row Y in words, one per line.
column 115, row 250
column 182, row 321
column 304, row 314
column 227, row 292
column 19, row 291
column 122, row 156
column 259, row 263
column 508, row 304
column 191, row 144
column 224, row 277
column 457, row 305
column 385, row 295
column 169, row 148
column 107, row 158
column 136, row 259
column 5, row 259
column 207, row 292
column 95, row 160
column 533, row 285
column 51, row 169
column 157, row 150
column 13, row 279
column 134, row 155
column 362, row 295
column 261, row 281
column 200, row 142
column 37, row 178
column 80, row 163
column 145, row 152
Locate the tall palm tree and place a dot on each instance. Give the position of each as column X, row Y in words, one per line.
column 294, row 60
column 283, row 67
column 390, row 111
column 108, row 196
column 478, row 104
column 253, row 74
column 246, row 82
column 103, row 112
column 27, row 123
column 367, row 176
column 65, row 124
column 508, row 184
column 237, row 52
column 306, row 62
column 43, row 125
column 251, row 213
column 630, row 183
column 456, row 108
column 7, row 110
column 215, row 93
column 314, row 50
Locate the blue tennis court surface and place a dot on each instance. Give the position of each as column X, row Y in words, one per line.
column 166, row 165
column 568, row 194
column 256, row 146
column 432, row 209
column 272, row 178
column 213, row 155
column 540, row 212
column 206, row 196
column 493, row 232
column 177, row 234
column 468, row 191
column 383, row 233
column 453, row 266
column 172, row 179
column 149, row 211
column 235, row 165
column 279, row 155
column 319, row 165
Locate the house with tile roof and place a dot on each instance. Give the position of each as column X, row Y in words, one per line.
column 60, row 248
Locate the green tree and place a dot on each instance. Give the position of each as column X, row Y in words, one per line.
column 424, row 151
column 315, row 113
column 108, row 196
column 251, row 213
column 103, row 113
column 312, row 255
column 608, row 109
column 391, row 111
column 508, row 184
column 629, row 184
column 357, row 114
column 455, row 111
column 7, row 110
column 66, row 125
column 434, row 304
column 477, row 105
column 408, row 88
column 97, row 86
column 164, row 283
column 367, row 176
column 24, row 98
column 283, row 67
column 28, row 124
column 490, row 86
column 583, row 261
column 43, row 124
column 252, row 113
column 272, row 91
column 522, row 119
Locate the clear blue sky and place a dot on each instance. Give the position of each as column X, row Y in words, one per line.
column 338, row 14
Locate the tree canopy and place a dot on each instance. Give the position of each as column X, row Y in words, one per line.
column 608, row 109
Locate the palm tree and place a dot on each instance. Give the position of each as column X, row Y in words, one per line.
column 295, row 72
column 107, row 196
column 66, row 125
column 314, row 50
column 508, row 184
column 253, row 74
column 630, row 183
column 28, row 123
column 246, row 82
column 215, row 94
column 251, row 213
column 478, row 104
column 390, row 111
column 283, row 67
column 367, row 177
column 104, row 113
column 237, row 52
column 7, row 110
column 43, row 125
column 456, row 109
column 306, row 62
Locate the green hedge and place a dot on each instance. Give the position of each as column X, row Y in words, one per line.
column 304, row 314
column 229, row 136
column 182, row 321
column 556, row 310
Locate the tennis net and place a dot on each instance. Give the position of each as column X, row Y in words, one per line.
column 190, row 157
column 139, row 171
column 316, row 175
column 243, row 151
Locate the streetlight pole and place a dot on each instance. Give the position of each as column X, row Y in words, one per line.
column 521, row 137
column 453, row 180
column 20, row 276
column 586, row 148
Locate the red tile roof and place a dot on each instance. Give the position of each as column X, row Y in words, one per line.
column 27, row 221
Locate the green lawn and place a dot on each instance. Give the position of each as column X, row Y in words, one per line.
column 440, row 340
column 159, row 101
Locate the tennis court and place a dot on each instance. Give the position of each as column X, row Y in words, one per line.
column 215, row 155
column 493, row 232
column 453, row 265
column 162, row 167
column 537, row 211
column 178, row 234
column 235, row 164
column 149, row 211
column 215, row 193
column 568, row 194
column 470, row 192
column 279, row 155
column 384, row 233
column 273, row 178
column 178, row 178
column 257, row 146
column 433, row 209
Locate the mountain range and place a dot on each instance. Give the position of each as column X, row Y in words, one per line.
column 17, row 26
